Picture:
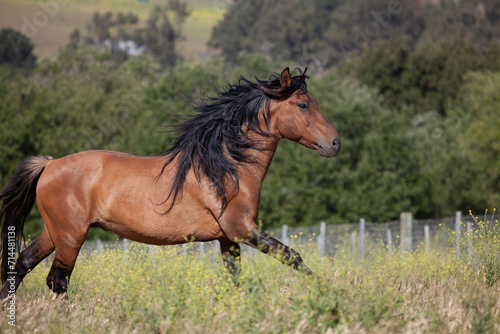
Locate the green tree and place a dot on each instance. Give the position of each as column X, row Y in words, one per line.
column 425, row 77
column 16, row 49
column 162, row 34
column 321, row 33
column 478, row 107
column 289, row 30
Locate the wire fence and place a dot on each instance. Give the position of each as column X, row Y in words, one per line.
column 405, row 234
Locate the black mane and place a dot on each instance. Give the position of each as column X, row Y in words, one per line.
column 214, row 141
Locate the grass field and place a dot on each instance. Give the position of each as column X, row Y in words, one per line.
column 139, row 291
column 52, row 30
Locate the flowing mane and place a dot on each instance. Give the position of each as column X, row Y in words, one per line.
column 214, row 141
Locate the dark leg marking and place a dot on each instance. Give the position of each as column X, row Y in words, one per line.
column 58, row 277
column 231, row 254
column 269, row 245
column 28, row 260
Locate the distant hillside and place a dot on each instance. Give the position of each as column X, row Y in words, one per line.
column 50, row 27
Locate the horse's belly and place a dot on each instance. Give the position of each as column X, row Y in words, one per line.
column 181, row 225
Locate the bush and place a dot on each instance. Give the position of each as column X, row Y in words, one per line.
column 16, row 49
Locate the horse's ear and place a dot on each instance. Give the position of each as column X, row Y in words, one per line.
column 286, row 78
column 305, row 71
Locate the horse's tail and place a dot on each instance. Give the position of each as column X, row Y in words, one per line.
column 17, row 199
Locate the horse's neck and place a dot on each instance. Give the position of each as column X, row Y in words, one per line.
column 263, row 158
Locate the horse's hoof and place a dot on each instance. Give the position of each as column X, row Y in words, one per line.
column 58, row 296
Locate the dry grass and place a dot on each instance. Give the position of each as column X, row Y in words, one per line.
column 166, row 292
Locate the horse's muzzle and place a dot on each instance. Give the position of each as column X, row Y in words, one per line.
column 330, row 150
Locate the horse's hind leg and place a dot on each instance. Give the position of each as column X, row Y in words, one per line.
column 29, row 258
column 62, row 266
column 231, row 256
column 68, row 232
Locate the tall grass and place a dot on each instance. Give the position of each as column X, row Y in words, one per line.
column 479, row 248
column 139, row 291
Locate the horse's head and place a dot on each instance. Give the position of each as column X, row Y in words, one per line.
column 299, row 118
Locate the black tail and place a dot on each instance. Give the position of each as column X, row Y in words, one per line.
column 17, row 200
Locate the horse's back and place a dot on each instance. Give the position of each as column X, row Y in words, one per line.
column 88, row 179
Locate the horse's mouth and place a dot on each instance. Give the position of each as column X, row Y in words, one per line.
column 326, row 154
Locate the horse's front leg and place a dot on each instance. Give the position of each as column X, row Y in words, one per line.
column 269, row 245
column 231, row 255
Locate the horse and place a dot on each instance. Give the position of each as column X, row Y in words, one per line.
column 205, row 187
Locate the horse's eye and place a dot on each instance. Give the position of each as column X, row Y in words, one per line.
column 303, row 106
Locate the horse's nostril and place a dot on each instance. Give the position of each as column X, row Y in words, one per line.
column 336, row 143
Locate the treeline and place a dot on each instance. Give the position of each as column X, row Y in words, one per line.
column 418, row 121
column 321, row 33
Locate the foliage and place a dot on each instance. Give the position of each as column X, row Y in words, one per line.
column 161, row 35
column 16, row 49
column 443, row 167
column 320, row 33
column 425, row 77
column 478, row 105
column 287, row 31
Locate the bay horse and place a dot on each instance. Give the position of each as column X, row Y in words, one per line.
column 205, row 187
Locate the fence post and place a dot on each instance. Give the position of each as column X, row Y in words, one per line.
column 406, row 237
column 152, row 253
column 201, row 249
column 98, row 246
column 389, row 240
column 361, row 238
column 458, row 218
column 125, row 244
column 284, row 235
column 321, row 239
column 427, row 237
column 215, row 250
column 469, row 238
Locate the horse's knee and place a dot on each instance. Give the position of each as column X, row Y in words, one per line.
column 27, row 260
